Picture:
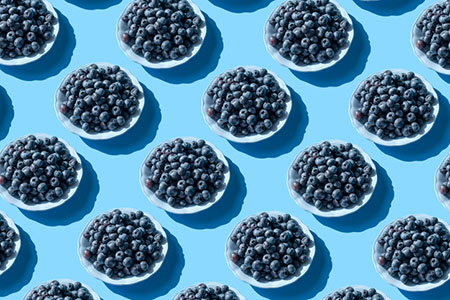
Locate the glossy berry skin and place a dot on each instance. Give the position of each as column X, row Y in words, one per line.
column 415, row 251
column 162, row 30
column 56, row 290
column 270, row 248
column 350, row 293
column 205, row 292
column 444, row 189
column 7, row 241
column 38, row 170
column 184, row 173
column 99, row 99
column 123, row 245
column 394, row 105
column 247, row 102
column 26, row 26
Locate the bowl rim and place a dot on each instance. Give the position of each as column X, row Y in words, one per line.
column 17, row 243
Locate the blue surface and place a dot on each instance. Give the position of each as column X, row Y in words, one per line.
column 382, row 34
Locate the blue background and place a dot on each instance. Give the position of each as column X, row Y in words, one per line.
column 173, row 98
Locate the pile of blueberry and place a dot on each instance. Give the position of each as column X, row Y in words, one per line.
column 161, row 30
column 185, row 173
column 445, row 187
column 99, row 99
column 123, row 245
column 56, row 290
column 269, row 247
column 308, row 31
column 415, row 251
column 434, row 26
column 332, row 176
column 25, row 27
column 7, row 241
column 37, row 170
column 394, row 105
column 350, row 293
column 247, row 102
column 204, row 292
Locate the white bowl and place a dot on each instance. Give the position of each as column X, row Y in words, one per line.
column 231, row 246
column 378, row 250
column 145, row 173
column 326, row 213
column 416, row 34
column 208, row 101
column 47, row 46
column 83, row 243
column 355, row 105
column 269, row 31
column 122, row 27
column 213, row 285
column 439, row 179
column 61, row 99
column 95, row 296
column 46, row 205
column 10, row 261
column 358, row 288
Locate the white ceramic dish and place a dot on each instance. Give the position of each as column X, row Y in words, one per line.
column 213, row 285
column 378, row 250
column 46, row 205
column 10, row 261
column 83, row 243
column 95, row 296
column 439, row 179
column 292, row 176
column 358, row 288
column 28, row 59
column 61, row 99
column 145, row 173
column 416, row 34
column 122, row 27
column 269, row 31
column 355, row 105
column 208, row 101
column 230, row 247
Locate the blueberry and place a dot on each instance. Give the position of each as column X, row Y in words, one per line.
column 203, row 291
column 58, row 290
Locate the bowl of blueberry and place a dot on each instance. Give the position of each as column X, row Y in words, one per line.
column 308, row 36
column 246, row 104
column 413, row 253
column 161, row 34
column 39, row 172
column 184, row 175
column 99, row 101
column 356, row 292
column 122, row 246
column 39, row 22
column 209, row 290
column 332, row 178
column 394, row 107
column 442, row 182
column 9, row 242
column 270, row 250
column 430, row 37
column 62, row 289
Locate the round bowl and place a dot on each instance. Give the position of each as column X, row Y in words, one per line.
column 83, row 243
column 207, row 101
column 46, row 205
column 378, row 250
column 213, row 285
column 8, row 263
column 416, row 34
column 326, row 213
column 440, row 179
column 269, row 31
column 122, row 27
column 95, row 296
column 355, row 105
column 145, row 173
column 61, row 99
column 28, row 59
column 230, row 247
column 359, row 288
